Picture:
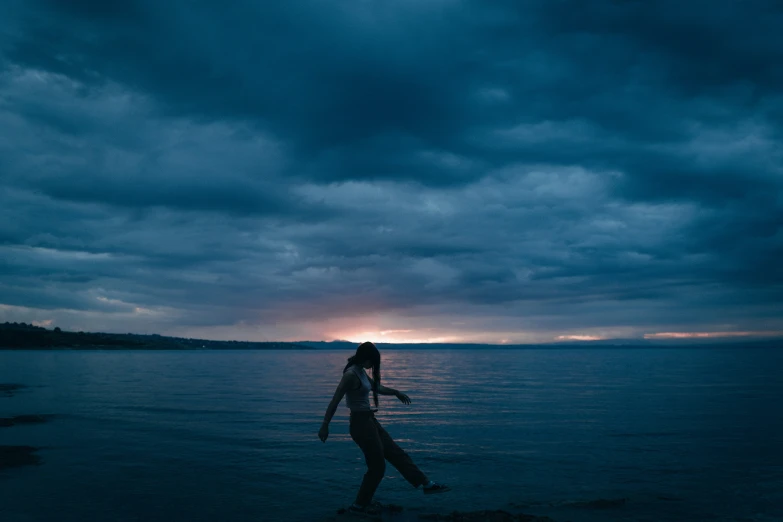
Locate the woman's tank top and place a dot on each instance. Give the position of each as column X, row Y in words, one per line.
column 359, row 399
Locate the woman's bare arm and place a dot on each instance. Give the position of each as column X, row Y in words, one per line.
column 348, row 382
column 383, row 390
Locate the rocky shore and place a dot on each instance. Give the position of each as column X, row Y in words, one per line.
column 8, row 390
column 395, row 513
column 512, row 513
column 15, row 456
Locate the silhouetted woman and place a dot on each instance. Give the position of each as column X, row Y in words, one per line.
column 366, row 432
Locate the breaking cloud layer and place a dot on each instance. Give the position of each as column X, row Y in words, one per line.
column 443, row 170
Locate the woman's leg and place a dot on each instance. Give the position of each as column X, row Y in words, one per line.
column 365, row 434
column 399, row 459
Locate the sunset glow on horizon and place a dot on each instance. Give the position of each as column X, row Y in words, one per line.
column 579, row 338
column 387, row 336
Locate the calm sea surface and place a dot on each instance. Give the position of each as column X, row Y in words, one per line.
column 680, row 434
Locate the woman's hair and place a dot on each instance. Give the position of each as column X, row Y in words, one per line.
column 368, row 352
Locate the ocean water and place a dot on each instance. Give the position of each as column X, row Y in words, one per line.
column 583, row 435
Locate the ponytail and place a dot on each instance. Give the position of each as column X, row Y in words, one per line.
column 368, row 351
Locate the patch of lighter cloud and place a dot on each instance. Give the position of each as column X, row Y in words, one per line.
column 522, row 274
column 288, row 252
column 316, row 273
column 633, row 256
column 373, row 198
column 56, row 254
column 349, row 194
column 748, row 139
column 437, row 205
column 530, row 189
column 662, row 212
column 493, row 95
column 594, row 334
column 110, row 301
column 75, row 320
column 30, row 79
column 606, row 224
column 567, row 184
column 656, row 222
column 436, row 273
column 12, row 313
column 199, row 277
column 140, row 310
column 133, row 308
column 712, row 335
column 64, row 94
column 547, row 131
column 445, row 159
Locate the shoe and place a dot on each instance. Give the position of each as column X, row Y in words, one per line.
column 436, row 488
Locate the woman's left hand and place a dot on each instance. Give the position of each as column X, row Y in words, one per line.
column 403, row 398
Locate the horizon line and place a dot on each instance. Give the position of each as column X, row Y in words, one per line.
column 666, row 338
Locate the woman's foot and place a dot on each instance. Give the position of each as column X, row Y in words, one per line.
column 370, row 509
column 433, row 487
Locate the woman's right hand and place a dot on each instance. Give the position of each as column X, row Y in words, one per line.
column 323, row 433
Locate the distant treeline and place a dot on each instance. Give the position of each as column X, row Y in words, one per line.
column 28, row 336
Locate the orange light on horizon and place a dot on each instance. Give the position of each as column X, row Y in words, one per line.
column 579, row 338
column 387, row 332
column 387, row 336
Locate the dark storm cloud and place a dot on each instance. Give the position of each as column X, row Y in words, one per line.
column 316, row 74
column 611, row 163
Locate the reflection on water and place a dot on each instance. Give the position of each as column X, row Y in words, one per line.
column 157, row 436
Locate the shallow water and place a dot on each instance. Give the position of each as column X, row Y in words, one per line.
column 662, row 434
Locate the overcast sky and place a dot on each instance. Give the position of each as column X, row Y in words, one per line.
column 408, row 170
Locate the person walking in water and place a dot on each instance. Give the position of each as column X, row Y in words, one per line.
column 366, row 431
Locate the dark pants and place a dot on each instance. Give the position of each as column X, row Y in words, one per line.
column 378, row 447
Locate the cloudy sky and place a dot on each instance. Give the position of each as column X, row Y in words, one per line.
column 414, row 170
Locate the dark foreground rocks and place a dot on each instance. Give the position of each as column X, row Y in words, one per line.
column 8, row 389
column 6, row 422
column 395, row 513
column 601, row 503
column 15, row 456
column 485, row 516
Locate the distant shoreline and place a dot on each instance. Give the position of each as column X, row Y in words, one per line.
column 21, row 336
